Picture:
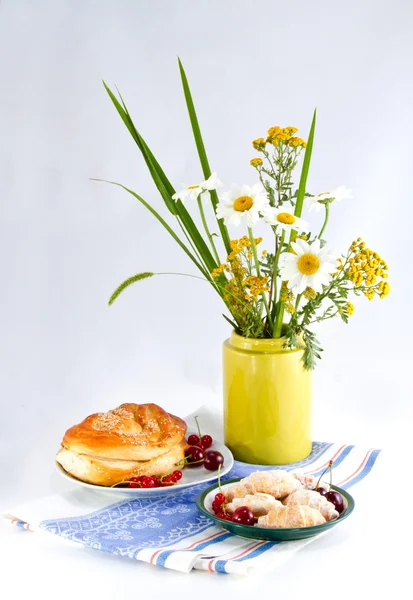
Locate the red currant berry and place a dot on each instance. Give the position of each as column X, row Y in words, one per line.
column 219, row 499
column 194, row 440
column 195, row 456
column 167, row 480
column 136, row 479
column 148, row 482
column 177, row 475
column 243, row 515
column 156, row 480
column 134, row 485
column 213, row 459
column 224, row 516
column 216, row 507
column 206, row 441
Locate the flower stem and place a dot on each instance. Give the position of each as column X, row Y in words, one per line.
column 205, row 224
column 257, row 268
column 276, row 260
column 325, row 220
column 279, row 321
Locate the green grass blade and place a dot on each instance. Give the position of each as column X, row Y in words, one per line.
column 305, row 169
column 127, row 283
column 163, row 222
column 164, row 186
column 161, row 181
column 202, row 152
column 298, row 210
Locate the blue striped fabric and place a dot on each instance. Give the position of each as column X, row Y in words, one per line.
column 170, row 532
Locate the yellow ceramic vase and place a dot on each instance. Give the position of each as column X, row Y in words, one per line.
column 267, row 401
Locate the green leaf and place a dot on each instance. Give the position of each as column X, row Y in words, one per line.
column 163, row 222
column 202, row 152
column 127, row 283
column 161, row 181
column 234, row 325
column 305, row 169
column 164, row 186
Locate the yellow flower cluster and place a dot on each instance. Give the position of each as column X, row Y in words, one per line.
column 256, row 286
column 364, row 268
column 277, row 135
column 256, row 162
column 219, row 270
column 242, row 289
column 242, row 245
column 309, row 293
column 259, row 144
column 349, row 308
column 287, row 297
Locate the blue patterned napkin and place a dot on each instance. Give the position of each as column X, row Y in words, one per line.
column 169, row 531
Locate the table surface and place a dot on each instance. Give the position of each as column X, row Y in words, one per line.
column 363, row 557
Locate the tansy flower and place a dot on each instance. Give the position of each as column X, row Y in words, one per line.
column 284, row 220
column 310, row 266
column 340, row 193
column 193, row 191
column 242, row 205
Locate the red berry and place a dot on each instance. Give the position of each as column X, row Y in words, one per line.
column 216, row 507
column 136, row 479
column 206, row 441
column 177, row 475
column 213, row 459
column 194, row 440
column 337, row 499
column 167, row 480
column 156, row 480
column 148, row 482
column 134, row 485
column 195, row 456
column 219, row 499
column 225, row 516
column 243, row 515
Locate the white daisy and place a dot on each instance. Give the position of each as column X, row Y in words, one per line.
column 340, row 193
column 242, row 205
column 284, row 220
column 311, row 266
column 193, row 191
column 212, row 183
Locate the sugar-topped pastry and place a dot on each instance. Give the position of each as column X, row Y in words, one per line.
column 129, row 441
column 308, row 482
column 259, row 504
column 314, row 500
column 277, row 483
column 291, row 515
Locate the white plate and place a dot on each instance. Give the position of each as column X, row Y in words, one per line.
column 190, row 476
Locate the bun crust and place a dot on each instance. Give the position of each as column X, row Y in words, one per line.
column 106, row 472
column 130, row 432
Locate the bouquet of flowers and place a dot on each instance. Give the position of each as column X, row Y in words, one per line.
column 281, row 290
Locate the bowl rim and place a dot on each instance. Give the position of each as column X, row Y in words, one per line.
column 200, row 502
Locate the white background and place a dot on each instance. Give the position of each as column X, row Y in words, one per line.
column 67, row 242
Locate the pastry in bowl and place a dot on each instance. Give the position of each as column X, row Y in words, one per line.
column 128, row 441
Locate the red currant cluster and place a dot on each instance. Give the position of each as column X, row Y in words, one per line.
column 198, row 454
column 242, row 515
column 152, row 481
column 332, row 496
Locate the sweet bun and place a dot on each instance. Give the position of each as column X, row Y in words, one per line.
column 134, row 432
column 107, row 472
column 128, row 441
